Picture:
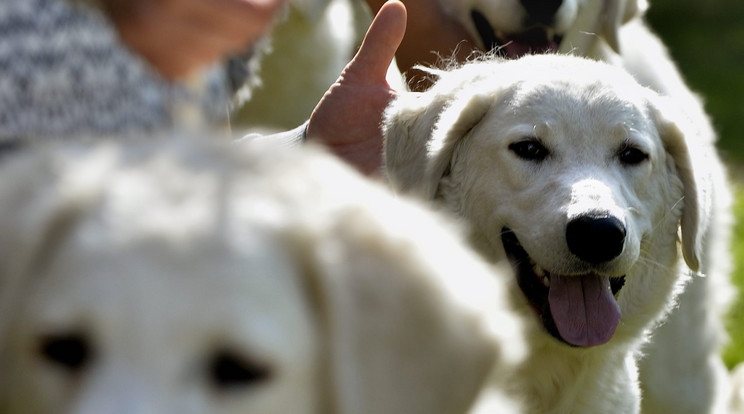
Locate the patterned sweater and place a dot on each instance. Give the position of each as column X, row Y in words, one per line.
column 63, row 72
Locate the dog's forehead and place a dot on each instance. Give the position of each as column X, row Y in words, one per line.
column 563, row 76
column 577, row 107
column 568, row 95
column 150, row 296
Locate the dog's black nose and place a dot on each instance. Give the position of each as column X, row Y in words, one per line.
column 541, row 11
column 595, row 238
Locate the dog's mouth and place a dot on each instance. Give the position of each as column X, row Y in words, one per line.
column 579, row 310
column 535, row 40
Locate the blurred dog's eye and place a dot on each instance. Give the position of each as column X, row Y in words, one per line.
column 530, row 149
column 69, row 351
column 630, row 155
column 227, row 371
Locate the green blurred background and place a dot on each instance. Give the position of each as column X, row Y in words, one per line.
column 706, row 38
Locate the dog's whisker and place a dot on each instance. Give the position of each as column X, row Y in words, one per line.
column 645, row 260
column 674, row 209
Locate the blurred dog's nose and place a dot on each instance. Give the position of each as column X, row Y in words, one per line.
column 595, row 238
column 541, row 11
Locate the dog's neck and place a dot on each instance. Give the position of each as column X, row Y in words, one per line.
column 557, row 378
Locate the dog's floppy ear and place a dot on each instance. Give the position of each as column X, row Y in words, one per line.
column 601, row 17
column 40, row 202
column 692, row 155
column 407, row 127
column 41, row 199
column 454, row 124
column 400, row 315
column 37, row 212
column 615, row 14
column 580, row 38
column 420, row 138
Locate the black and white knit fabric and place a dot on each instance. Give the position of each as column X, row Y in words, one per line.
column 63, row 71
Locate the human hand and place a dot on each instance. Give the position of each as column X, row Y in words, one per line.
column 347, row 119
column 178, row 37
column 432, row 33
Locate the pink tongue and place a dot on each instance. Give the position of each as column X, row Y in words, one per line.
column 583, row 308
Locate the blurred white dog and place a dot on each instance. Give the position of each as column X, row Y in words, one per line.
column 581, row 178
column 187, row 277
column 688, row 346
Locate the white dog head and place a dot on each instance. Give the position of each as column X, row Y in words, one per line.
column 518, row 27
column 572, row 171
column 187, row 278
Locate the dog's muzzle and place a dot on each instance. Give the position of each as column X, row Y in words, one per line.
column 533, row 40
column 579, row 310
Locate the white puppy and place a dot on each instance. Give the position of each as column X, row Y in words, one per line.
column 185, row 277
column 688, row 346
column 581, row 178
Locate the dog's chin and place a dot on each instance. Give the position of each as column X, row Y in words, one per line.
column 535, row 40
column 535, row 283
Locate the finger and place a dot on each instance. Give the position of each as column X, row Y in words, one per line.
column 383, row 37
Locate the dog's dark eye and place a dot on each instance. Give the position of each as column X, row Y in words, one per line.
column 229, row 371
column 632, row 156
column 72, row 352
column 530, row 149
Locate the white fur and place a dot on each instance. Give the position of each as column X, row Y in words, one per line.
column 166, row 259
column 688, row 346
column 452, row 144
column 736, row 402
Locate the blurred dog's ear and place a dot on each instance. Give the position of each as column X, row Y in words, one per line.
column 590, row 20
column 692, row 157
column 615, row 14
column 38, row 207
column 399, row 307
column 603, row 18
column 41, row 199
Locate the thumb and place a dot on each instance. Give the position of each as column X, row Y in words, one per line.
column 371, row 62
